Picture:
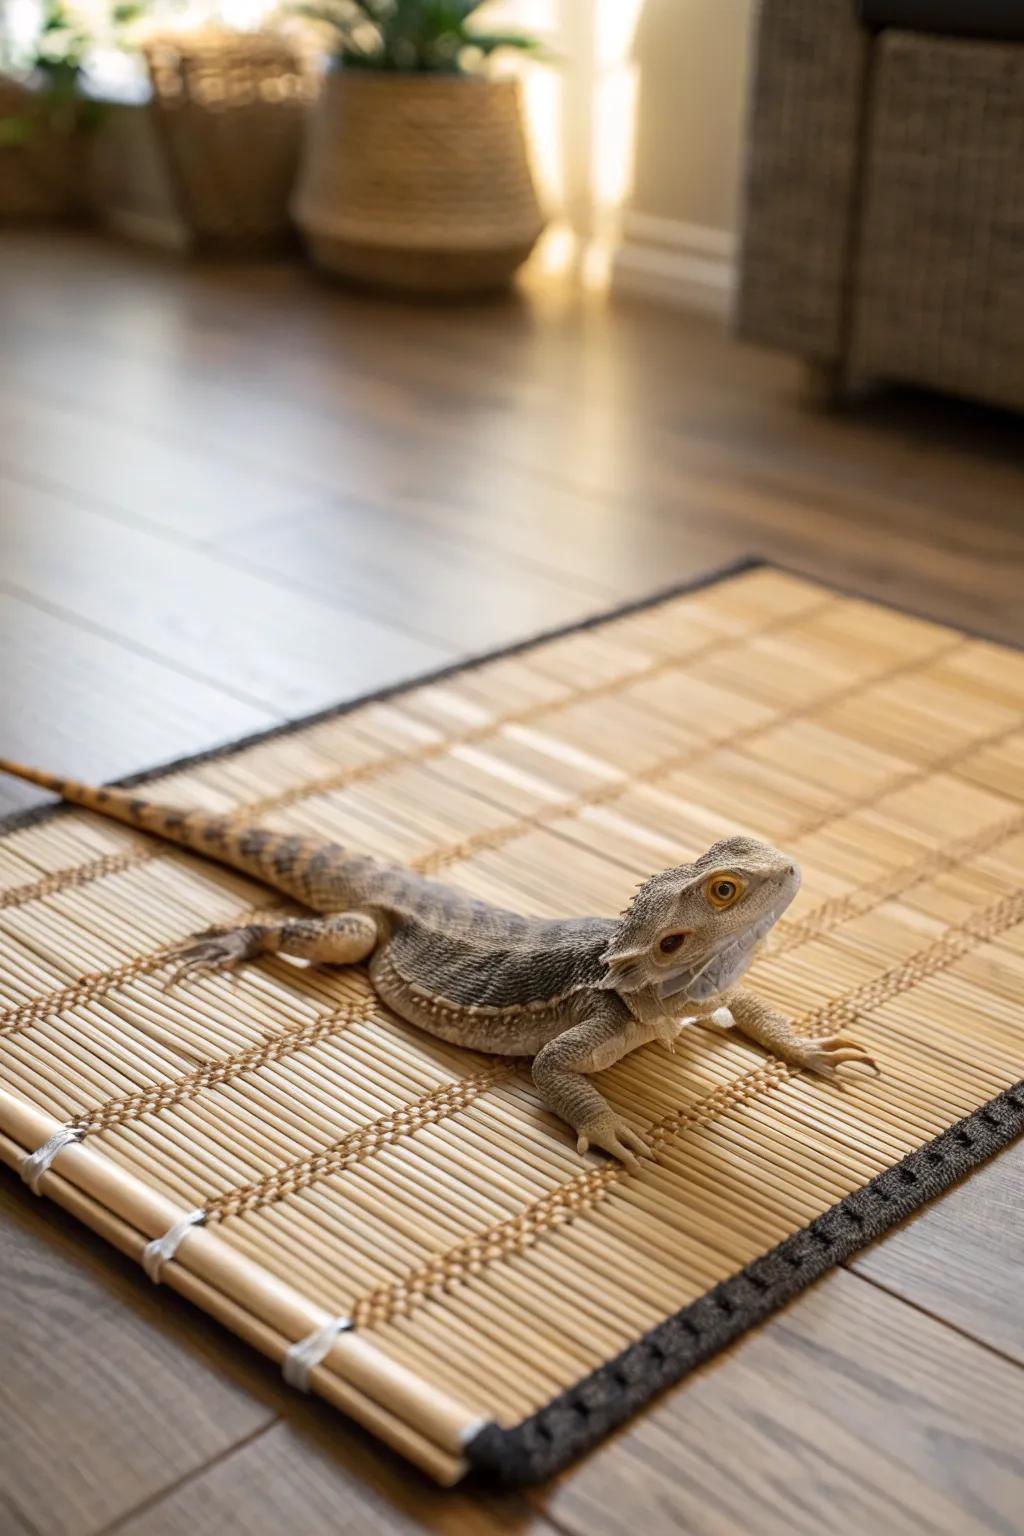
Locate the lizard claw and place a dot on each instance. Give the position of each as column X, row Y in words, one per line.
column 667, row 1032
column 216, row 950
column 828, row 1056
column 613, row 1134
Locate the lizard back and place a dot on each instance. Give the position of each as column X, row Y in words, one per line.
column 494, row 959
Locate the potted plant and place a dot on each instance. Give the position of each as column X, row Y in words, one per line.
column 45, row 117
column 416, row 173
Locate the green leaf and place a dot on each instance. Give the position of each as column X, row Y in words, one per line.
column 124, row 12
column 490, row 42
column 15, row 131
column 424, row 36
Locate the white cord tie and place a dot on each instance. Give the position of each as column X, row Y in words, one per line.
column 472, row 1429
column 302, row 1358
column 162, row 1249
column 35, row 1165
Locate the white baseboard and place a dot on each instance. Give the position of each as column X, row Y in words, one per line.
column 689, row 265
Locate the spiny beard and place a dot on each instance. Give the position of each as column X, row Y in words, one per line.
column 720, row 970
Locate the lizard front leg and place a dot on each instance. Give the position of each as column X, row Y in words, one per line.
column 775, row 1032
column 559, row 1071
column 343, row 938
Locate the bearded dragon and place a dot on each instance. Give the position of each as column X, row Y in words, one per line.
column 576, row 994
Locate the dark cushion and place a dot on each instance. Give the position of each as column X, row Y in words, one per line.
column 965, row 18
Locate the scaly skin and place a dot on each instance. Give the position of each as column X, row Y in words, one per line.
column 576, row 994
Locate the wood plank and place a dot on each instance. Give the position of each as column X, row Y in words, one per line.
column 413, row 575
column 143, row 477
column 914, row 499
column 78, row 702
column 604, row 546
column 109, row 1391
column 272, row 647
column 848, row 1412
column 962, row 1256
column 317, row 1476
column 614, row 546
column 12, row 1522
column 353, row 450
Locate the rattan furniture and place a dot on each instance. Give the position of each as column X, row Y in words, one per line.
column 884, row 196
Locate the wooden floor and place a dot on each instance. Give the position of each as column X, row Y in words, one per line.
column 230, row 495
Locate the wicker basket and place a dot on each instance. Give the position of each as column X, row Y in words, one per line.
column 44, row 177
column 231, row 110
column 418, row 182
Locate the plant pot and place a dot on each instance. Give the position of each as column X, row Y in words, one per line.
column 44, row 176
column 418, row 182
column 207, row 164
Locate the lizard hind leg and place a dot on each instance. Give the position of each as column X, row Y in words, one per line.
column 343, row 938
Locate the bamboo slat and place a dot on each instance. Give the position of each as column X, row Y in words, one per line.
column 348, row 1165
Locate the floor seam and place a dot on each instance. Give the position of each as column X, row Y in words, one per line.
column 185, row 1479
column 850, row 1266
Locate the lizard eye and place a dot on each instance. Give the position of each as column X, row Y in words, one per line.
column 722, row 891
column 671, row 942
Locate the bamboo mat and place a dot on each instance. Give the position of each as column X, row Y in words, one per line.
column 510, row 1299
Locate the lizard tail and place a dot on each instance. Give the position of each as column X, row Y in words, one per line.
column 299, row 866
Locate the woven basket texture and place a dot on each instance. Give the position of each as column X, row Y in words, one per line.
column 231, row 108
column 415, row 182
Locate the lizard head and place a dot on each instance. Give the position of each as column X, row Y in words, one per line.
column 690, row 932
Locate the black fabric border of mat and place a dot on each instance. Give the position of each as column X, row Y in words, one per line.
column 582, row 1415
column 578, row 1418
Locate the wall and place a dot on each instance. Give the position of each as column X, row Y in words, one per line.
column 638, row 130
column 679, row 221
column 691, row 57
